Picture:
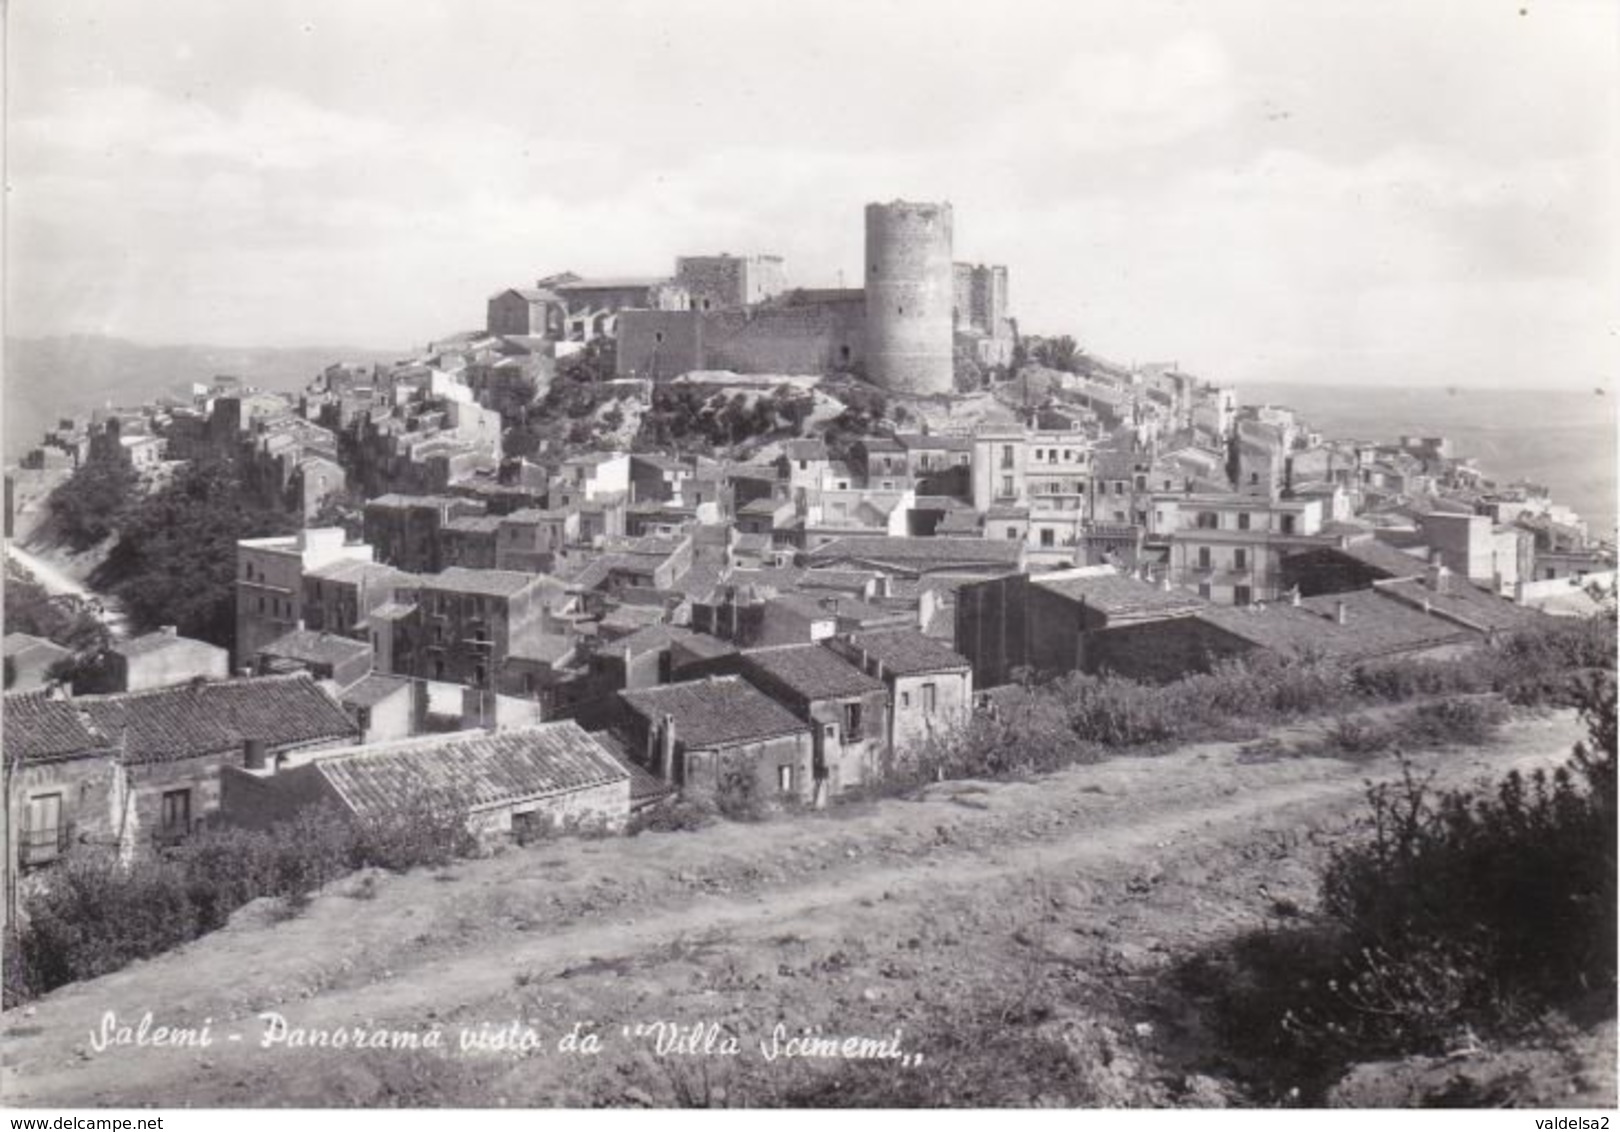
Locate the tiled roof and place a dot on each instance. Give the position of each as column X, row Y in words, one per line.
column 650, row 638
column 718, row 712
column 18, row 645
column 907, row 652
column 931, row 443
column 701, row 645
column 1466, row 601
column 315, row 647
column 40, row 729
column 644, row 787
column 166, row 724
column 610, row 282
column 548, row 648
column 804, row 605
column 811, row 671
column 1378, row 624
column 1119, row 595
column 477, row 770
column 491, row 583
column 1389, row 560
column 372, row 689
column 918, row 552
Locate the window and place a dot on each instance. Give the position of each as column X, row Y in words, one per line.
column 1046, row 536
column 1254, row 477
column 478, row 675
column 1203, row 589
column 174, row 817
column 1012, row 533
column 1203, row 558
column 1208, row 521
column 1241, row 595
column 1240, row 559
column 438, row 670
column 44, row 835
column 1119, row 487
column 1006, row 455
column 852, row 723
column 1287, row 524
column 930, row 698
column 905, row 699
column 1006, row 487
column 261, row 605
column 1243, row 520
column 784, row 779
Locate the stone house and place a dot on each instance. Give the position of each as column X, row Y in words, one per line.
column 930, row 685
column 142, row 768
column 848, row 709
column 704, row 734
column 509, row 783
column 163, row 658
column 325, row 656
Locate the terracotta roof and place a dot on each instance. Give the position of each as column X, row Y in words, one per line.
column 1119, row 595
column 718, row 712
column 315, row 647
column 41, row 729
column 919, row 552
column 1391, row 561
column 165, row 724
column 811, row 671
column 372, row 689
column 477, row 770
column 490, row 583
column 1465, row 601
column 18, row 645
column 1379, row 624
column 644, row 787
column 701, row 645
column 907, row 652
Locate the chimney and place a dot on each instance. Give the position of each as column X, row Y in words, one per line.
column 666, row 747
column 1340, row 612
column 1438, row 576
column 253, row 757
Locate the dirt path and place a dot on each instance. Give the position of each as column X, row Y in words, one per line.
column 858, row 921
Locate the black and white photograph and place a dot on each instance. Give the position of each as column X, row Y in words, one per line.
column 869, row 554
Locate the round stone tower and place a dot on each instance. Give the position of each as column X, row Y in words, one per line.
column 910, row 292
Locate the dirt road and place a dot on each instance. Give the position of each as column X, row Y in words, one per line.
column 1052, row 904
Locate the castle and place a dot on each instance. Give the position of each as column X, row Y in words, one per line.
column 901, row 330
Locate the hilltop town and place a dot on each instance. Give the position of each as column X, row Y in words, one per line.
column 707, row 534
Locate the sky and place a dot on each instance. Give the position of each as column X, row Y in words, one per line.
column 1403, row 193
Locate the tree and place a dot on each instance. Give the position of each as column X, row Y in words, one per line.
column 66, row 619
column 1059, row 353
column 175, row 562
column 969, row 378
column 88, row 506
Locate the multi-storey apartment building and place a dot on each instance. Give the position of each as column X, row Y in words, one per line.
column 270, row 582
column 1229, row 547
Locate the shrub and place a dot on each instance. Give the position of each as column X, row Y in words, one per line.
column 1358, row 736
column 430, row 828
column 1455, row 909
column 679, row 815
column 1454, row 722
column 97, row 915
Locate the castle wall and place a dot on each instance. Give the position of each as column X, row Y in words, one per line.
column 803, row 338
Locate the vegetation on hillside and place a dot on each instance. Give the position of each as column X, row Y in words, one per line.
column 175, row 561
column 91, row 504
column 64, row 620
column 1456, row 916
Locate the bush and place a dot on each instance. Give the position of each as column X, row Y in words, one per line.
column 97, row 915
column 679, row 815
column 1457, row 909
column 429, row 829
column 1455, row 722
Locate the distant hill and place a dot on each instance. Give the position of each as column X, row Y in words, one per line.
column 47, row 378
